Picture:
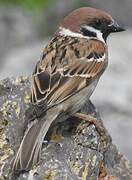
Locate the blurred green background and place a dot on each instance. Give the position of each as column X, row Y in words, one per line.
column 26, row 27
column 32, row 5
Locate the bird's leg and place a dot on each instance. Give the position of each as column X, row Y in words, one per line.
column 92, row 120
column 89, row 119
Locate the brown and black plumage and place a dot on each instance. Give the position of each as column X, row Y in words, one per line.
column 66, row 68
column 66, row 76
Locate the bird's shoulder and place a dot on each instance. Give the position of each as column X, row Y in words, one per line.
column 64, row 51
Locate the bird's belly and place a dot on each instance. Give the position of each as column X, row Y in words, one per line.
column 75, row 103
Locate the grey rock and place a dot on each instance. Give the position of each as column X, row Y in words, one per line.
column 76, row 151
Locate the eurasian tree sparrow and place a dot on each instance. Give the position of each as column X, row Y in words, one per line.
column 66, row 76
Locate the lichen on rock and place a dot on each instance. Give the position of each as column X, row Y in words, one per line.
column 72, row 150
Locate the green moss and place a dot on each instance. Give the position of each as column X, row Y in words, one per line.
column 28, row 4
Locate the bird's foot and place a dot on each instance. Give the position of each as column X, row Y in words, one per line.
column 88, row 120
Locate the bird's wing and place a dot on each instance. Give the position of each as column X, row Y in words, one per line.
column 67, row 68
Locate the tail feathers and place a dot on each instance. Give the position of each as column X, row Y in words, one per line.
column 29, row 151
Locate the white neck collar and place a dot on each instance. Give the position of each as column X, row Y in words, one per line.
column 67, row 32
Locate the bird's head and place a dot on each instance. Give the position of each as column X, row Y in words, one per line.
column 89, row 22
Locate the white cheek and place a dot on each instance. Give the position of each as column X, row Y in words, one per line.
column 67, row 32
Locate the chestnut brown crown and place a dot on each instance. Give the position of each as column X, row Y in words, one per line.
column 80, row 19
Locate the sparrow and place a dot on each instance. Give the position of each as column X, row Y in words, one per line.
column 66, row 76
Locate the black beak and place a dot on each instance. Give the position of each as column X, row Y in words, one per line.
column 114, row 27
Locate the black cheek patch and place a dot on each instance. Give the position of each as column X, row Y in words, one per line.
column 87, row 32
